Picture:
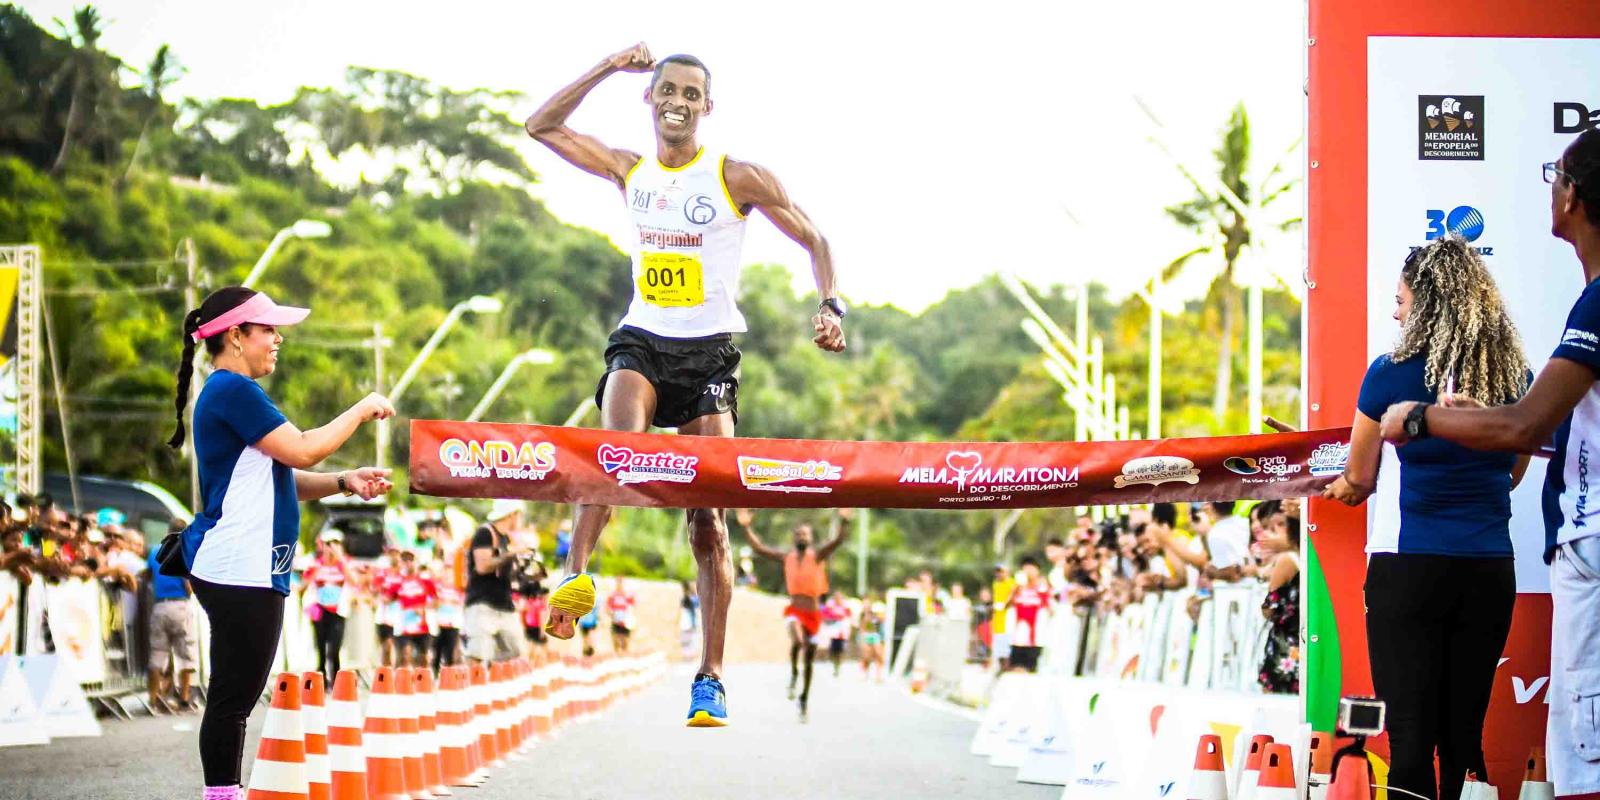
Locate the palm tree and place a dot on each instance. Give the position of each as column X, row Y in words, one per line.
column 1222, row 215
column 164, row 69
column 88, row 69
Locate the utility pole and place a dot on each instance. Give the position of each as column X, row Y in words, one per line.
column 191, row 300
column 378, row 344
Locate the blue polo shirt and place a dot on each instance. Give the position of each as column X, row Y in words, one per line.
column 1571, row 494
column 1454, row 501
column 246, row 534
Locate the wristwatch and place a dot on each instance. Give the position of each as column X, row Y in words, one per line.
column 833, row 304
column 1417, row 422
column 344, row 487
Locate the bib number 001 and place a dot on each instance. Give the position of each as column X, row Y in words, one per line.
column 671, row 280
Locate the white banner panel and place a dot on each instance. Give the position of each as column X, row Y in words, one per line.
column 1457, row 130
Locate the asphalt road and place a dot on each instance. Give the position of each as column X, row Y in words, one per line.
column 862, row 741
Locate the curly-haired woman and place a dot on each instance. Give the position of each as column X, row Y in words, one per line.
column 1440, row 579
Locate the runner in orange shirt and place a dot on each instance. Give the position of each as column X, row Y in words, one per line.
column 805, row 570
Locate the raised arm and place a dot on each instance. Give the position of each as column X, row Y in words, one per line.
column 754, row 186
column 293, row 447
column 744, row 518
column 549, row 124
column 837, row 535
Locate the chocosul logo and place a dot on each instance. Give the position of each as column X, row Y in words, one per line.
column 1156, row 470
column 776, row 475
column 494, row 458
column 632, row 467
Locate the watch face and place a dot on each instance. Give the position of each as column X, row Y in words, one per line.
column 1412, row 428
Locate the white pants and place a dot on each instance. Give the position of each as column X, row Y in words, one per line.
column 1573, row 735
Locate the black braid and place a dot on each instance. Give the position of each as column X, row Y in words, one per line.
column 191, row 323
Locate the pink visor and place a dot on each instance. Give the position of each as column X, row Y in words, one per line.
column 259, row 309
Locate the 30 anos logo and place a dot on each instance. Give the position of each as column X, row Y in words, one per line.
column 1464, row 221
column 1575, row 118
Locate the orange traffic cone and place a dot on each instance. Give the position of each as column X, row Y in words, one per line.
column 1352, row 777
column 411, row 735
column 318, row 776
column 1277, row 774
column 280, row 769
column 542, row 723
column 455, row 757
column 1321, row 765
column 385, row 740
column 1252, row 767
column 427, row 711
column 482, row 712
column 501, row 714
column 1209, row 781
column 478, row 772
column 524, row 705
column 1535, row 786
column 346, row 762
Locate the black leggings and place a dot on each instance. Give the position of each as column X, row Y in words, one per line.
column 1436, row 626
column 444, row 647
column 245, row 624
column 330, row 638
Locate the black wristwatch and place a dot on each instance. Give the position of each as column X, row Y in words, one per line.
column 344, row 488
column 1417, row 422
column 833, row 304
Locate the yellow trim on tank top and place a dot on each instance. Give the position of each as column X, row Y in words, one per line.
column 697, row 155
column 631, row 170
column 722, row 179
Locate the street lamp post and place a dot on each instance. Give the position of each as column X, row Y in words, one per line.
column 302, row 229
column 535, row 356
column 478, row 304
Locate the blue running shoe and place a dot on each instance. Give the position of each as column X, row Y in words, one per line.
column 708, row 703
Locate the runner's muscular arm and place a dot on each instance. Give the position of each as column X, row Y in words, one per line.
column 751, row 185
column 1525, row 426
column 548, row 125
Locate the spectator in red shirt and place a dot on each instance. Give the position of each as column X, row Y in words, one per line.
column 1031, row 596
column 415, row 594
column 620, row 605
column 326, row 580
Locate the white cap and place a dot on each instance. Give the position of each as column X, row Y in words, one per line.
column 503, row 508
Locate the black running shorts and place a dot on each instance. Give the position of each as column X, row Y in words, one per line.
column 693, row 378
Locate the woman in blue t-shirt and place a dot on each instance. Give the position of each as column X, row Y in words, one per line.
column 1440, row 578
column 253, row 474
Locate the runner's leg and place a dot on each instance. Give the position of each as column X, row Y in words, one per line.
column 708, row 538
column 628, row 404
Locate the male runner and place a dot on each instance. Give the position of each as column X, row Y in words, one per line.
column 620, row 605
column 672, row 362
column 1563, row 404
column 805, row 570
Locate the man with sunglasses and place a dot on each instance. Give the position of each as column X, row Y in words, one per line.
column 1563, row 403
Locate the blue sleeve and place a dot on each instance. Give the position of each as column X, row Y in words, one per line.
column 250, row 413
column 1580, row 341
column 1377, row 389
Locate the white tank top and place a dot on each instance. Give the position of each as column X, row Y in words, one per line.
column 688, row 235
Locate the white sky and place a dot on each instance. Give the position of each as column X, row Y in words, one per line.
column 931, row 146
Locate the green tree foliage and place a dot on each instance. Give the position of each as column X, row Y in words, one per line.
column 110, row 191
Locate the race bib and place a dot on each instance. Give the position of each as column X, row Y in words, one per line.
column 412, row 620
column 328, row 595
column 671, row 280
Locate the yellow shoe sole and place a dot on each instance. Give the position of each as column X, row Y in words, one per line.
column 572, row 599
column 703, row 719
